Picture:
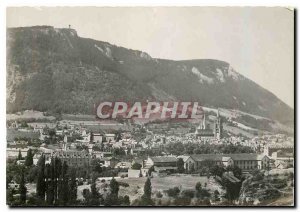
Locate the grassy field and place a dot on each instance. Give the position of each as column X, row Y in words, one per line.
column 136, row 185
column 12, row 134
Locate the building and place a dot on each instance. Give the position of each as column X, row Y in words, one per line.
column 100, row 155
column 137, row 151
column 283, row 155
column 110, row 137
column 244, row 161
column 85, row 137
column 162, row 163
column 123, row 165
column 204, row 130
column 73, row 158
column 96, row 138
column 12, row 153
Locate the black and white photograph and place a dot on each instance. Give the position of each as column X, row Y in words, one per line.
column 156, row 106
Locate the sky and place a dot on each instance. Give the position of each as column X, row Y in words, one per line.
column 258, row 42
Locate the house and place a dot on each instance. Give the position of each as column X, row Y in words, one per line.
column 20, row 162
column 123, row 165
column 97, row 138
column 132, row 173
column 110, row 137
column 245, row 161
column 137, row 151
column 12, row 153
column 73, row 157
column 100, row 155
column 162, row 163
column 184, row 158
column 86, row 137
column 59, row 132
column 109, row 162
column 196, row 162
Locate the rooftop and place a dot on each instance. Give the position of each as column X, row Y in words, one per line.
column 164, row 159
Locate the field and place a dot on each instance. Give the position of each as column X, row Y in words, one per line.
column 136, row 185
column 28, row 114
column 12, row 134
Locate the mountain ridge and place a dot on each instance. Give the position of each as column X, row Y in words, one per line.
column 50, row 69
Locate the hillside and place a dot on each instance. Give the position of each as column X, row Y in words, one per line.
column 55, row 70
column 275, row 188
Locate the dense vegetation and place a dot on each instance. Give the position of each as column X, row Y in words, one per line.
column 178, row 148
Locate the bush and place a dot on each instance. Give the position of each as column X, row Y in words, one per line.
column 188, row 193
column 257, row 176
column 159, row 195
column 202, row 194
column 136, row 166
column 198, row 186
column 173, row 192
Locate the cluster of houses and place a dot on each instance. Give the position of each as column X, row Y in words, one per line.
column 274, row 154
column 245, row 161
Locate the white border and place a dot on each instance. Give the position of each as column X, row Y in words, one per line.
column 4, row 4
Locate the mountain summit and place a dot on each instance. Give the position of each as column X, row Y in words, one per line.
column 50, row 69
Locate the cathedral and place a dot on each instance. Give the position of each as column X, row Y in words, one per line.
column 205, row 131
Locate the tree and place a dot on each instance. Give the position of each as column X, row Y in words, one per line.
column 112, row 198
column 32, row 174
column 217, row 195
column 146, row 198
column 217, row 170
column 232, row 189
column 72, row 188
column 198, row 186
column 22, row 189
column 41, row 185
column 52, row 133
column 87, row 195
column 56, row 169
column 114, row 186
column 20, row 155
column 147, row 188
column 29, row 158
column 50, row 193
column 63, row 189
column 10, row 196
column 126, row 200
column 95, row 196
column 180, row 165
column 50, row 184
column 136, row 166
column 237, row 172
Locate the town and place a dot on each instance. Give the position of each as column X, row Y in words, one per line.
column 87, row 162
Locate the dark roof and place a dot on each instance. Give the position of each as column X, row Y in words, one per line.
column 205, row 132
column 244, row 156
column 164, row 159
column 203, row 157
